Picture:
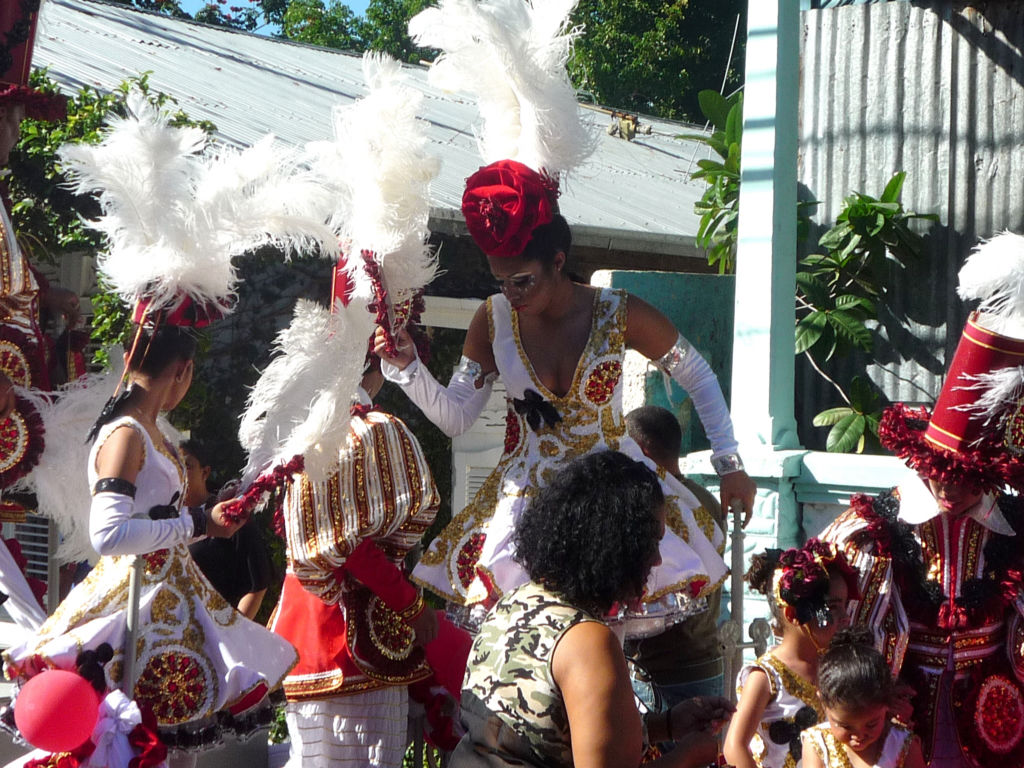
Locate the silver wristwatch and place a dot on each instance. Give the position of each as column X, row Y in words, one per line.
column 727, row 463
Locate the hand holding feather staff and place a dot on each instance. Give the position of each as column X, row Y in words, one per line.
column 175, row 212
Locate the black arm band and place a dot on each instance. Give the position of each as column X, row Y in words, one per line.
column 198, row 520
column 114, row 485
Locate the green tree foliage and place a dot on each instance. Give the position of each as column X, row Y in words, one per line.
column 654, row 56
column 718, row 208
column 384, row 28
column 167, row 7
column 331, row 24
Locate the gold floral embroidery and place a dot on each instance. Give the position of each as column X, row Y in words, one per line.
column 593, row 341
column 705, row 521
column 585, row 427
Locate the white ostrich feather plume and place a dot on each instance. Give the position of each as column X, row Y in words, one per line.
column 994, row 274
column 380, row 173
column 174, row 215
column 1000, row 392
column 300, row 405
column 511, row 56
column 60, row 480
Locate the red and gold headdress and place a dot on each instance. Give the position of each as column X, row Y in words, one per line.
column 511, row 56
column 801, row 579
column 974, row 436
column 18, row 20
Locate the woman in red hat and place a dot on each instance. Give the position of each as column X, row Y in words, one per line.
column 558, row 346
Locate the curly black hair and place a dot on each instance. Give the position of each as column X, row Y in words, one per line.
column 853, row 674
column 759, row 576
column 591, row 535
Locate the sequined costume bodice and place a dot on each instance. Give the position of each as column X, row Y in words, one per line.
column 472, row 560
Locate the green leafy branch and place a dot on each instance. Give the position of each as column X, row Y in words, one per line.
column 838, row 291
column 718, row 208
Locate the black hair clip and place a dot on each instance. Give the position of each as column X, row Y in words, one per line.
column 535, row 408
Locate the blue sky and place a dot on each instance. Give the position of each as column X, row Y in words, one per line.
column 191, row 6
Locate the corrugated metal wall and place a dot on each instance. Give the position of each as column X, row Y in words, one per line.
column 936, row 91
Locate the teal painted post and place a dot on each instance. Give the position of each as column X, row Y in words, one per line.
column 699, row 306
column 763, row 369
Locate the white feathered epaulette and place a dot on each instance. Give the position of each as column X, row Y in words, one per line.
column 176, row 210
column 60, row 480
column 379, row 171
column 511, row 56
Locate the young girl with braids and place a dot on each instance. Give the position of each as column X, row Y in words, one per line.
column 807, row 590
column 857, row 691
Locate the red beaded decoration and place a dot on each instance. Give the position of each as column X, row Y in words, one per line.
column 468, row 556
column 602, row 381
column 173, row 686
column 513, row 432
column 999, row 715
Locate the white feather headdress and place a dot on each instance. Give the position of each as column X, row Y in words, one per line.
column 994, row 275
column 175, row 211
column 511, row 56
column 379, row 172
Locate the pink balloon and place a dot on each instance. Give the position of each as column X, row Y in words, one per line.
column 56, row 710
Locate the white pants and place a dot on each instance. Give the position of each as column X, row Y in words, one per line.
column 366, row 729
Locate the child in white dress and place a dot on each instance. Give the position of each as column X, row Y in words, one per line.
column 807, row 589
column 857, row 691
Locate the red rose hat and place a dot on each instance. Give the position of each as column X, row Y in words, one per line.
column 504, row 203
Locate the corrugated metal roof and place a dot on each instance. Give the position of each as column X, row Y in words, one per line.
column 249, row 85
column 938, row 93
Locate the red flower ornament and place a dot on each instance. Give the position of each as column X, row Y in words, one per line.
column 503, row 203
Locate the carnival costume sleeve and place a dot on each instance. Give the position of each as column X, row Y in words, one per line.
column 114, row 530
column 692, row 372
column 864, row 534
column 18, row 287
column 372, row 568
column 454, row 408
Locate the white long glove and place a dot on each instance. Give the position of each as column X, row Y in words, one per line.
column 113, row 530
column 454, row 408
column 692, row 372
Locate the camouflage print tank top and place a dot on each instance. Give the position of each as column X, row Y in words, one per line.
column 510, row 669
